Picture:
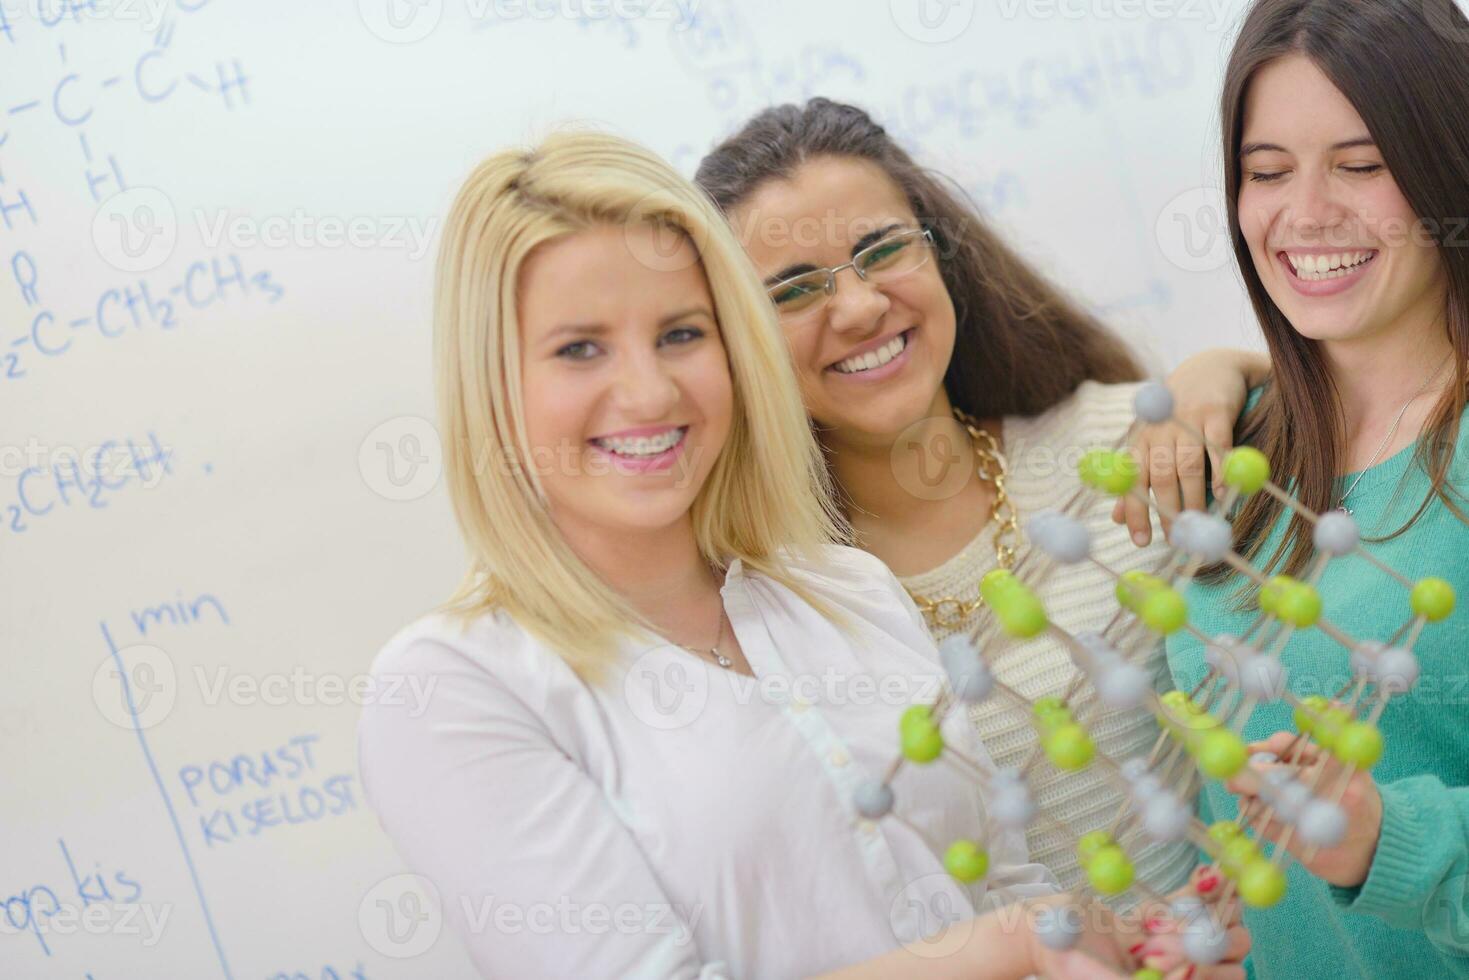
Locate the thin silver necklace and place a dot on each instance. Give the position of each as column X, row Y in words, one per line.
column 713, row 651
column 1342, row 503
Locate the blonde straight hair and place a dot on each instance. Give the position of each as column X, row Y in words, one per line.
column 768, row 495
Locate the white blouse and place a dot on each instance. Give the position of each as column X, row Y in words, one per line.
column 681, row 820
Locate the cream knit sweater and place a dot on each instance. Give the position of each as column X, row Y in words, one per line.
column 1042, row 452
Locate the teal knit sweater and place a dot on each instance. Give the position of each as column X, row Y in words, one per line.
column 1410, row 918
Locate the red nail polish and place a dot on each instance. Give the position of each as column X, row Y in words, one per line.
column 1207, row 883
column 1189, row 974
column 1136, row 947
column 1153, row 925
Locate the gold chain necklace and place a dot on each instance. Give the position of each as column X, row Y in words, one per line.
column 949, row 611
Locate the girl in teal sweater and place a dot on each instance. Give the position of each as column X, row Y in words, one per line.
column 1346, row 138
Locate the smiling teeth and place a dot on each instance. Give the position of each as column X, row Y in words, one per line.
column 642, row 445
column 1315, row 268
column 874, row 358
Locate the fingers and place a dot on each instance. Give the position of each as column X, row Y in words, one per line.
column 1163, row 476
column 1223, row 971
column 1164, row 953
column 1219, row 432
column 1239, row 944
column 1079, row 965
column 1278, row 743
column 1135, row 505
column 1189, row 455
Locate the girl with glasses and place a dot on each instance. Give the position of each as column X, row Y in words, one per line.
column 953, row 390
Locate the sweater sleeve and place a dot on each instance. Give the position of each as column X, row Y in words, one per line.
column 1419, row 878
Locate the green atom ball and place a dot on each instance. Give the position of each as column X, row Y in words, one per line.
column 1069, row 747
column 966, row 861
column 1109, row 871
column 1221, row 754
column 1164, row 611
column 1110, row 471
column 1433, row 599
column 922, row 744
column 916, row 716
column 1359, row 744
column 1246, row 469
column 1300, row 605
column 1090, row 843
column 1261, row 884
column 1312, row 708
column 1237, row 854
column 1223, row 831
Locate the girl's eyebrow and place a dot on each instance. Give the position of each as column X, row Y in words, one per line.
column 1249, row 148
column 791, row 271
column 875, row 236
column 600, row 329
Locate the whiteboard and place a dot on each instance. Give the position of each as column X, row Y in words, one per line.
column 219, row 481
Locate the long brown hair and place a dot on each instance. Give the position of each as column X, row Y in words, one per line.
column 1020, row 346
column 1401, row 65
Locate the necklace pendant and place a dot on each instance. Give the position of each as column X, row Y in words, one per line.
column 721, row 659
column 1344, row 509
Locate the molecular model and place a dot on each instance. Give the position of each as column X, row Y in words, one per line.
column 1199, row 735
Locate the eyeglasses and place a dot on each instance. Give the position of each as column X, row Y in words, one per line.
column 803, row 296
